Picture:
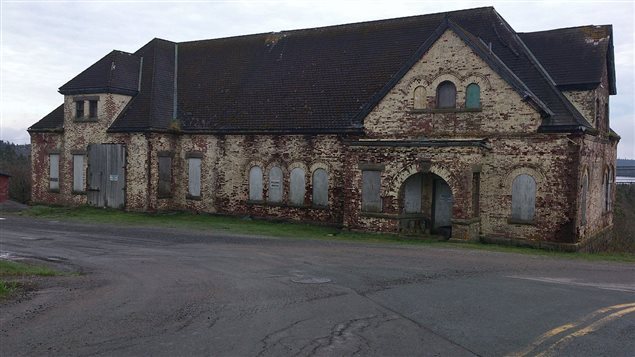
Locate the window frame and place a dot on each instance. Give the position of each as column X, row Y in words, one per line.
column 161, row 179
column 315, row 188
column 470, row 87
column 517, row 210
column 54, row 172
column 440, row 87
column 79, row 172
column 93, row 109
column 371, row 178
column 293, row 187
column 194, row 171
column 79, row 109
column 259, row 198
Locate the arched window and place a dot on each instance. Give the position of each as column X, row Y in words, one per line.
column 446, row 95
column 255, row 184
column 583, row 198
column 473, row 96
column 297, row 187
column 419, row 98
column 275, row 184
column 523, row 198
column 320, row 188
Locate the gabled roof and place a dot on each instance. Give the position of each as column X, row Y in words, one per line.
column 325, row 79
column 117, row 72
column 575, row 57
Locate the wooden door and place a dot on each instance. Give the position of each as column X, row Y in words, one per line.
column 106, row 175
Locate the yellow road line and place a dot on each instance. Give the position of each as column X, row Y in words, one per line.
column 592, row 327
column 568, row 326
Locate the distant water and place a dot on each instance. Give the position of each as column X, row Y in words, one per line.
column 624, row 180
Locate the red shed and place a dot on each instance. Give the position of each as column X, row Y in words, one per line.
column 4, row 186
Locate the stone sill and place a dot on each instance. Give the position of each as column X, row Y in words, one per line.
column 521, row 222
column 445, row 110
column 86, row 120
column 193, row 198
column 53, row 190
column 79, row 192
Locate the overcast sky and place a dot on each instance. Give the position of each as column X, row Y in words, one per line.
column 46, row 43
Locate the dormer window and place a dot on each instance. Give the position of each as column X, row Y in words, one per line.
column 446, row 95
column 92, row 109
column 79, row 109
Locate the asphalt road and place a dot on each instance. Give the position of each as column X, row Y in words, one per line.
column 163, row 292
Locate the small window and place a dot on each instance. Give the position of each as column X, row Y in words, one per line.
column 194, row 177
column 446, row 95
column 92, row 109
column 79, row 109
column 78, row 173
column 255, row 184
column 297, row 187
column 275, row 184
column 164, row 188
column 583, row 198
column 54, row 172
column 473, row 96
column 320, row 188
column 419, row 98
column 523, row 198
column 371, row 190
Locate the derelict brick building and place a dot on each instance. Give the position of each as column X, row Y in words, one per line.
column 450, row 122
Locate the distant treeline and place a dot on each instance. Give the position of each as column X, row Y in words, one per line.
column 15, row 160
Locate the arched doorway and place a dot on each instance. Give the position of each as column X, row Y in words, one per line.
column 426, row 205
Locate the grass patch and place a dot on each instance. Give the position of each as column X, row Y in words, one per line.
column 296, row 230
column 12, row 270
column 9, row 268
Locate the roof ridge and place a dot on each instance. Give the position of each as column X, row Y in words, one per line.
column 563, row 28
column 351, row 24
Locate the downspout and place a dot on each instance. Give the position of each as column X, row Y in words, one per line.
column 174, row 95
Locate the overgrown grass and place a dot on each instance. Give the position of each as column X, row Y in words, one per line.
column 624, row 220
column 238, row 225
column 10, row 270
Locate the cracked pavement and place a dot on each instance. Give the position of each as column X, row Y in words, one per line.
column 165, row 292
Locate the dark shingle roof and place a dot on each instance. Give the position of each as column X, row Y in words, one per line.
column 117, row 72
column 327, row 79
column 575, row 57
column 53, row 121
column 153, row 107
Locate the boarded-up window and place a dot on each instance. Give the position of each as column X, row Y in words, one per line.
column 583, row 198
column 194, row 177
column 473, row 96
column 608, row 184
column 371, row 188
column 297, row 187
column 78, row 173
column 523, row 198
column 446, row 95
column 255, row 184
column 54, row 172
column 476, row 191
column 320, row 188
column 275, row 184
column 419, row 98
column 165, row 176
